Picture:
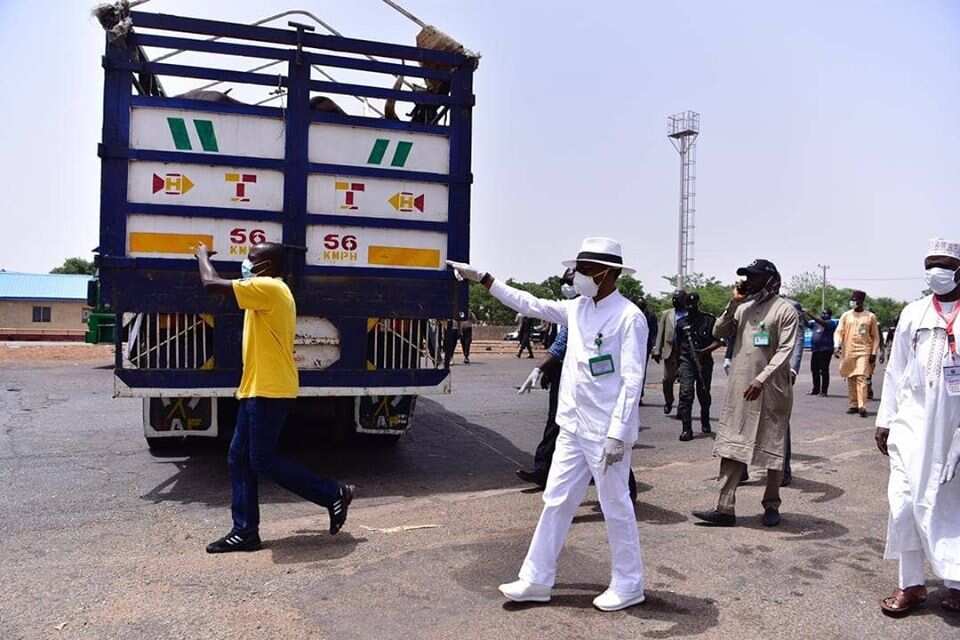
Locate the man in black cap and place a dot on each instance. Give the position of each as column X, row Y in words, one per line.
column 696, row 344
column 756, row 414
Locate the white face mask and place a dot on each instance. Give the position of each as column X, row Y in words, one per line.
column 853, row 304
column 586, row 285
column 246, row 269
column 941, row 281
column 568, row 291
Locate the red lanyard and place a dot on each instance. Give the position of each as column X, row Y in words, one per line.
column 949, row 319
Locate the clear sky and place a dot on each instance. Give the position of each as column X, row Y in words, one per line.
column 830, row 130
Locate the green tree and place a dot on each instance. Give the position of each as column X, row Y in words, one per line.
column 887, row 310
column 804, row 283
column 631, row 289
column 553, row 283
column 489, row 309
column 76, row 265
column 713, row 293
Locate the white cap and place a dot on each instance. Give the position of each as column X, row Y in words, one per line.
column 940, row 247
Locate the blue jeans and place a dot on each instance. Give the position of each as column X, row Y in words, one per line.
column 253, row 452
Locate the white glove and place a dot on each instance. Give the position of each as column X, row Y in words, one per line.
column 726, row 365
column 532, row 380
column 613, row 451
column 953, row 459
column 464, row 271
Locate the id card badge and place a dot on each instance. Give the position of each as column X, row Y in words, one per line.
column 761, row 338
column 602, row 365
column 951, row 378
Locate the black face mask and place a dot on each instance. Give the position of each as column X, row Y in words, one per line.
column 749, row 287
column 753, row 286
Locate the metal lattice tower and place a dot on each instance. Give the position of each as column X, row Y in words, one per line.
column 683, row 129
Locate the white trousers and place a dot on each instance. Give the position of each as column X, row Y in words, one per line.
column 911, row 571
column 575, row 460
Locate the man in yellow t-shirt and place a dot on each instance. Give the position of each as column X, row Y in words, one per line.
column 268, row 386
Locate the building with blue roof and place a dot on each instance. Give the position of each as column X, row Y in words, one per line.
column 43, row 306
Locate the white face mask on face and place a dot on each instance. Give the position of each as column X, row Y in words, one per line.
column 246, row 269
column 941, row 281
column 586, row 285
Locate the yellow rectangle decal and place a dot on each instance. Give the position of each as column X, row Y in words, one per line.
column 403, row 257
column 143, row 242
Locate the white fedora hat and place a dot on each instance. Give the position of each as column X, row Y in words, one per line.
column 605, row 251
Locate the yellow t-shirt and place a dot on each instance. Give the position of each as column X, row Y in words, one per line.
column 269, row 324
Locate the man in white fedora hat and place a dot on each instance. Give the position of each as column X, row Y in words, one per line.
column 598, row 418
column 918, row 426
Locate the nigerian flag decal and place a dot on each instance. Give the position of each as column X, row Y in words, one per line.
column 401, row 151
column 204, row 134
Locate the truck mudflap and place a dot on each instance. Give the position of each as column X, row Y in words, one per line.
column 384, row 415
column 169, row 417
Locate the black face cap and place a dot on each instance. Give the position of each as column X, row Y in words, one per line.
column 759, row 267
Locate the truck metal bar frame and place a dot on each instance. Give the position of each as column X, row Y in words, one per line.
column 347, row 296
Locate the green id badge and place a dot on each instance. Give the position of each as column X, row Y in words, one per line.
column 761, row 339
column 601, row 365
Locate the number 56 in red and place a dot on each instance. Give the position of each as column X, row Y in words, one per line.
column 239, row 236
column 333, row 241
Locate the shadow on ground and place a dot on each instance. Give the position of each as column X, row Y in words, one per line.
column 312, row 545
column 443, row 453
column 687, row 615
column 496, row 561
column 646, row 513
column 797, row 527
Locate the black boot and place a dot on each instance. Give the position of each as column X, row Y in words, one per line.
column 705, row 424
column 533, row 476
column 687, row 434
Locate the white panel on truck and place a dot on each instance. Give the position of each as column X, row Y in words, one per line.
column 206, row 132
column 377, row 198
column 205, row 186
column 151, row 236
column 383, row 148
column 339, row 246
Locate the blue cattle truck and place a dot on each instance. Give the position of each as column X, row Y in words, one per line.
column 370, row 207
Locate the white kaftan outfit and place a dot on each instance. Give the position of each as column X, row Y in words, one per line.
column 591, row 408
column 922, row 418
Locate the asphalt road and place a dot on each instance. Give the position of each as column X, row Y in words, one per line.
column 101, row 540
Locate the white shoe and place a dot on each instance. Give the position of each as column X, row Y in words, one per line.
column 610, row 600
column 523, row 591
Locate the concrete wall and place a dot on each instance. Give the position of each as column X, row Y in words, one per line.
column 491, row 332
column 66, row 318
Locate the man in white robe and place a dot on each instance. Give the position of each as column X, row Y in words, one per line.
column 598, row 418
column 918, row 426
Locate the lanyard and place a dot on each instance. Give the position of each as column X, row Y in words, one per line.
column 949, row 319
